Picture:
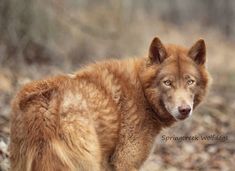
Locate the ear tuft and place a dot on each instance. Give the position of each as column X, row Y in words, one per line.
column 198, row 52
column 157, row 51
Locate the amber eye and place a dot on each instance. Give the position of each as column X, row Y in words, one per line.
column 167, row 83
column 190, row 82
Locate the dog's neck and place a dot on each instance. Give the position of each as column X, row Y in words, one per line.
column 156, row 115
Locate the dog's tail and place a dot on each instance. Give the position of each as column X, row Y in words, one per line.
column 35, row 131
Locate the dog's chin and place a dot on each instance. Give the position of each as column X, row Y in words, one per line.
column 181, row 117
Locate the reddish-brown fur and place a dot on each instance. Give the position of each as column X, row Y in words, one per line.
column 104, row 117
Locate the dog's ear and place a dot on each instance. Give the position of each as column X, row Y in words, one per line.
column 198, row 52
column 157, row 51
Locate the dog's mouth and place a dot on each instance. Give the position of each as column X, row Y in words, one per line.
column 182, row 117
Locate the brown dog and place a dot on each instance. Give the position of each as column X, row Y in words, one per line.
column 107, row 115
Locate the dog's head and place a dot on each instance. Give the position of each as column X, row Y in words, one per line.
column 175, row 79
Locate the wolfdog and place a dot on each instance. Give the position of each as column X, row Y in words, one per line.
column 106, row 116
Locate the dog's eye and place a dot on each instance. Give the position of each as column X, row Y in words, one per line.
column 190, row 82
column 167, row 83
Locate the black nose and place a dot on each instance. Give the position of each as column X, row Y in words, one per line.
column 184, row 110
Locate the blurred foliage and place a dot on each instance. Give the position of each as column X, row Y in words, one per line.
column 49, row 31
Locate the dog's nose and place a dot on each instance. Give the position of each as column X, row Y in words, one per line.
column 184, row 110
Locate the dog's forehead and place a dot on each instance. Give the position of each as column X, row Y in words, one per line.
column 178, row 66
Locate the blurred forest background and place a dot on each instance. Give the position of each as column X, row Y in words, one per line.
column 41, row 38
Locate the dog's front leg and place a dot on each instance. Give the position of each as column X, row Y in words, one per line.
column 131, row 152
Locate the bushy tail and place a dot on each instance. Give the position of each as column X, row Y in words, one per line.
column 35, row 142
column 42, row 140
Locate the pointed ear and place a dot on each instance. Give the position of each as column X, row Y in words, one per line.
column 157, row 51
column 198, row 52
